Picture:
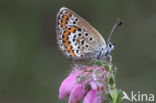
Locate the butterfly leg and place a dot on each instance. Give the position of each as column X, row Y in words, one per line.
column 76, row 63
column 92, row 60
column 73, row 62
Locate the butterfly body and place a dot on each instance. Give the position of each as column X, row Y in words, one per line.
column 78, row 39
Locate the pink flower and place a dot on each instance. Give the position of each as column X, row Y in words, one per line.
column 91, row 97
column 86, row 82
column 67, row 85
column 77, row 94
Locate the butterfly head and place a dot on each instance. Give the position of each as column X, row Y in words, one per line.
column 110, row 47
column 105, row 51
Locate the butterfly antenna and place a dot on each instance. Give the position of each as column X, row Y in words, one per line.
column 118, row 23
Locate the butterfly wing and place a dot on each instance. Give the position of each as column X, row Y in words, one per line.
column 76, row 37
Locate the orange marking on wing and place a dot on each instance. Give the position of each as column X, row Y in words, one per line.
column 72, row 29
column 64, row 19
column 67, row 42
column 71, row 53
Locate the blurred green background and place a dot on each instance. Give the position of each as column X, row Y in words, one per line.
column 31, row 65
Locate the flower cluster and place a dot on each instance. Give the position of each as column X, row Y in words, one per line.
column 89, row 84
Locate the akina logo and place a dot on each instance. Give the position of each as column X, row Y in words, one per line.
column 138, row 97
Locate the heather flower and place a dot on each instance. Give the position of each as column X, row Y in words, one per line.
column 77, row 93
column 67, row 85
column 90, row 84
column 91, row 97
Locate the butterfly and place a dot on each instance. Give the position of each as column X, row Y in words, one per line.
column 78, row 39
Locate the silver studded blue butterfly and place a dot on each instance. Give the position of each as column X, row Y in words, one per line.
column 78, row 39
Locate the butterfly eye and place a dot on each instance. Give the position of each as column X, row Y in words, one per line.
column 110, row 45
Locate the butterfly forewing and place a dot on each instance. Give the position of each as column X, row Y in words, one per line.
column 76, row 37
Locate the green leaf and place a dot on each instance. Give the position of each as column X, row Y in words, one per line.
column 119, row 96
column 112, row 82
column 106, row 67
column 110, row 97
